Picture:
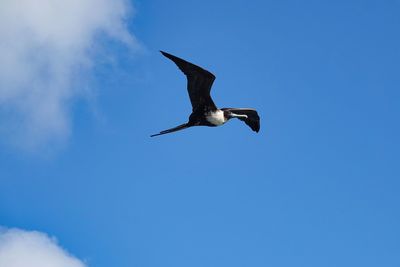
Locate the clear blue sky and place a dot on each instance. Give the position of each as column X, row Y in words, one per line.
column 318, row 186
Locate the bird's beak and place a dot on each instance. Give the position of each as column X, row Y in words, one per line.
column 233, row 115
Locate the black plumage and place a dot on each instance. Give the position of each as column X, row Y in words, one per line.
column 204, row 111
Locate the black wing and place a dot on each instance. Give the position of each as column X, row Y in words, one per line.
column 252, row 120
column 199, row 83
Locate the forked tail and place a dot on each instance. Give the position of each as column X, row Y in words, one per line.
column 177, row 128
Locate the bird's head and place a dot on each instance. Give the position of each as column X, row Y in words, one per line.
column 229, row 115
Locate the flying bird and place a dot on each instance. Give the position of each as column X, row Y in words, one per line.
column 205, row 112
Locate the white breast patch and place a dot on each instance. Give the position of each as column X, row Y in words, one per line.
column 216, row 117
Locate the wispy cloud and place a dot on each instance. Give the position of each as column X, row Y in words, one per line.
column 20, row 248
column 45, row 58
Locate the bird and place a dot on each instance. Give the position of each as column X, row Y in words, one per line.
column 204, row 111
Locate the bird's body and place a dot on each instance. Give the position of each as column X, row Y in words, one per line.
column 205, row 112
column 216, row 118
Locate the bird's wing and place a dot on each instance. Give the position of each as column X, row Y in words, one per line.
column 199, row 83
column 252, row 120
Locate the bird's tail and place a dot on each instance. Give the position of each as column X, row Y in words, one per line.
column 177, row 128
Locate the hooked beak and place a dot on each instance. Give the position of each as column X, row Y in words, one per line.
column 233, row 115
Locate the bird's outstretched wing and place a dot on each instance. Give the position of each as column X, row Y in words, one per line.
column 252, row 120
column 199, row 83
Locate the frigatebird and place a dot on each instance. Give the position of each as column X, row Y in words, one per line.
column 205, row 112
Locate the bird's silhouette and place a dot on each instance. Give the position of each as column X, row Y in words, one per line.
column 205, row 112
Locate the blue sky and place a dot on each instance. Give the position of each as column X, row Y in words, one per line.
column 318, row 186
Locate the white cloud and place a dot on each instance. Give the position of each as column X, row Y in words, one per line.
column 46, row 53
column 20, row 248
